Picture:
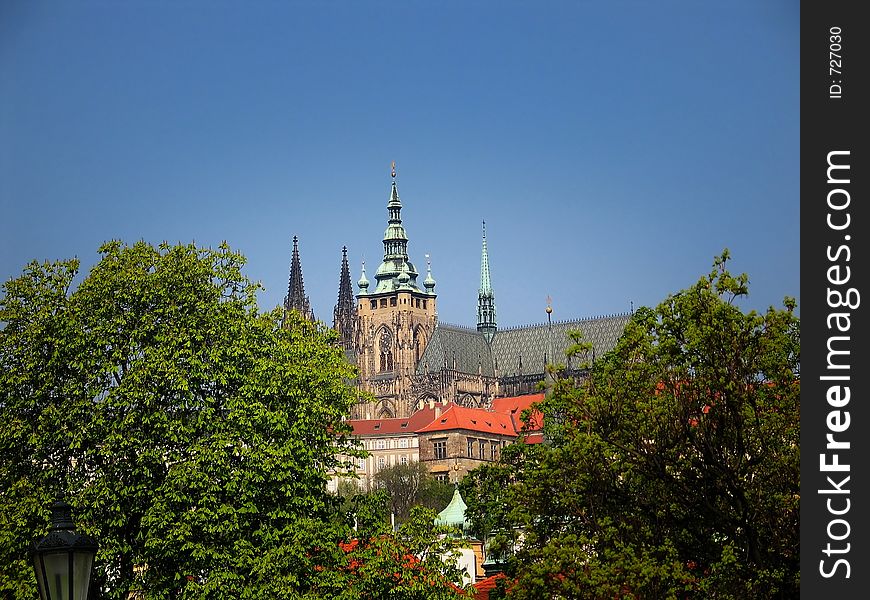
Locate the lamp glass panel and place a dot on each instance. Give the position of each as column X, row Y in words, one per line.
column 40, row 580
column 57, row 573
column 82, row 563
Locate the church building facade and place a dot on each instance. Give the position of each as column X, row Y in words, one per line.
column 407, row 360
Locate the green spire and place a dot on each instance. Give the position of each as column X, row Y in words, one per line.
column 363, row 283
column 396, row 271
column 429, row 282
column 486, row 323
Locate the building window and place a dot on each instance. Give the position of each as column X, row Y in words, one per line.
column 382, row 462
column 424, row 304
column 493, row 450
column 362, row 464
column 393, row 301
column 470, row 452
column 440, row 449
column 481, row 450
column 443, row 477
column 374, row 304
column 403, row 443
column 403, row 460
column 381, row 444
column 386, row 351
column 383, row 302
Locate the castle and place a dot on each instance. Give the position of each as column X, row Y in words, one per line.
column 408, row 360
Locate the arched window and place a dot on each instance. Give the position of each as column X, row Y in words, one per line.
column 419, row 342
column 386, row 350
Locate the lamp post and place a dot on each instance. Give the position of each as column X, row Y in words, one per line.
column 63, row 559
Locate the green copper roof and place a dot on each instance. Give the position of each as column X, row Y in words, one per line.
column 396, row 272
column 454, row 513
column 363, row 283
column 485, row 280
column 429, row 282
column 486, row 323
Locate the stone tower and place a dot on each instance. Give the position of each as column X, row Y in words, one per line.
column 344, row 319
column 296, row 298
column 396, row 321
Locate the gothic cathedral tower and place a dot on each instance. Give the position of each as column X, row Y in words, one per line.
column 396, row 320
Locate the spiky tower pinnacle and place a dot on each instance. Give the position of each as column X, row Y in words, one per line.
column 296, row 298
column 344, row 315
column 486, row 323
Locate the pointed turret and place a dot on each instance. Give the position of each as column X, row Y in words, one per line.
column 485, row 297
column 363, row 282
column 344, row 313
column 296, row 298
column 429, row 282
column 396, row 271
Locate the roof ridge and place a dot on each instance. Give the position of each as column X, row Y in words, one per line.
column 568, row 321
column 468, row 328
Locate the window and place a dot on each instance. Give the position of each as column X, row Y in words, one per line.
column 393, row 301
column 381, row 444
column 481, row 450
column 403, row 443
column 416, row 302
column 403, row 460
column 374, row 304
column 382, row 462
column 440, row 449
column 386, row 347
column 470, row 452
column 424, row 304
column 362, row 464
column 443, row 477
column 383, row 302
column 493, row 450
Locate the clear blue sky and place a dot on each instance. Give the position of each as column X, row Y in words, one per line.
column 613, row 148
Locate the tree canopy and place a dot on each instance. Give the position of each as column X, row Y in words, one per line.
column 412, row 485
column 671, row 471
column 193, row 434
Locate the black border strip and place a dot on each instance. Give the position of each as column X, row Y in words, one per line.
column 834, row 109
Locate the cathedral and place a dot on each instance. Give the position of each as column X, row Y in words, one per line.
column 407, row 360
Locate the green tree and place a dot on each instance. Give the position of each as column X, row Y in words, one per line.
column 192, row 433
column 411, row 485
column 672, row 471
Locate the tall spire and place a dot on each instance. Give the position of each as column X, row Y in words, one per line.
column 296, row 298
column 396, row 271
column 344, row 314
column 486, row 323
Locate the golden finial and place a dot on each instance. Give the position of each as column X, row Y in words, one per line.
column 549, row 308
column 393, row 169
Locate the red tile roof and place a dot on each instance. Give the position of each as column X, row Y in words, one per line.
column 483, row 587
column 515, row 405
column 471, row 419
column 373, row 427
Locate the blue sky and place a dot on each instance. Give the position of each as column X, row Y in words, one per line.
column 613, row 148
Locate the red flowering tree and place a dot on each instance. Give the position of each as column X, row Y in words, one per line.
column 416, row 562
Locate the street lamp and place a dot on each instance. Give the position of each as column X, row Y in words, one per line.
column 62, row 560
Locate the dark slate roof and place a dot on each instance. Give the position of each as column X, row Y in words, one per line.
column 519, row 350
column 531, row 344
column 467, row 346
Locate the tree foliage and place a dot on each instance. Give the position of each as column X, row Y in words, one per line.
column 412, row 485
column 672, row 470
column 416, row 562
column 193, row 434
